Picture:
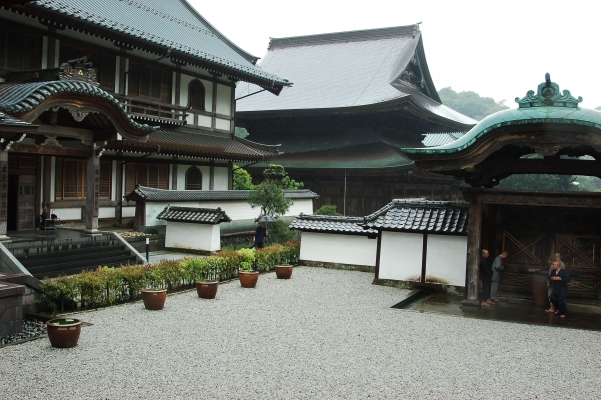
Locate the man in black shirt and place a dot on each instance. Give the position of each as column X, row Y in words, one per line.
column 558, row 279
column 260, row 234
column 485, row 276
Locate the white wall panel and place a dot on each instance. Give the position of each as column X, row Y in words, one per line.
column 193, row 236
column 68, row 214
column 204, row 120
column 339, row 249
column 224, row 100
column 106, row 212
column 223, row 124
column 401, row 256
column 446, row 259
column 221, row 178
column 128, row 212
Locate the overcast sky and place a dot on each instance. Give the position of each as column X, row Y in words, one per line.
column 499, row 49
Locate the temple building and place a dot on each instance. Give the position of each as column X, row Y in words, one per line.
column 532, row 226
column 358, row 98
column 97, row 97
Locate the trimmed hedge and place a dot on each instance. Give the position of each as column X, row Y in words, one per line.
column 108, row 285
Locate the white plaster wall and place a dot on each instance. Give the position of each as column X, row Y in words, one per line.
column 114, row 194
column 340, row 249
column 193, row 236
column 401, row 256
column 106, row 212
column 235, row 209
column 52, row 178
column 117, row 73
column 67, row 214
column 181, row 176
column 224, row 100
column 128, row 212
column 446, row 259
column 223, row 124
column 221, row 178
column 183, row 94
column 204, row 120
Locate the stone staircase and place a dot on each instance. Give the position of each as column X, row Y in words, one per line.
column 67, row 256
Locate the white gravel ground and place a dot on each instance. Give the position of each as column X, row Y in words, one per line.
column 323, row 334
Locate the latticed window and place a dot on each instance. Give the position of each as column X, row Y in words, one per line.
column 196, row 95
column 19, row 51
column 193, row 179
column 70, row 179
column 149, row 175
column 103, row 63
column 150, row 83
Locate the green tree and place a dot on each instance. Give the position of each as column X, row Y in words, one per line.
column 277, row 173
column 240, row 132
column 242, row 179
column 327, row 210
column 539, row 182
column 470, row 103
column 268, row 195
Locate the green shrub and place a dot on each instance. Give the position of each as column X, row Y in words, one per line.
column 108, row 285
column 327, row 210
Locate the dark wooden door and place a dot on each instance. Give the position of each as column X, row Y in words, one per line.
column 13, row 198
column 26, row 202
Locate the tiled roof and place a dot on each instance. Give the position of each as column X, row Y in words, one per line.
column 331, row 224
column 6, row 119
column 346, row 71
column 20, row 98
column 419, row 215
column 172, row 24
column 151, row 194
column 440, row 138
column 199, row 144
column 194, row 215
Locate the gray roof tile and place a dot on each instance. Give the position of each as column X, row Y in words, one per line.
column 151, row 194
column 419, row 215
column 194, row 215
column 331, row 224
column 440, row 138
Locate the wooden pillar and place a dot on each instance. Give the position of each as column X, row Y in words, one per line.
column 92, row 189
column 119, row 166
column 230, row 175
column 474, row 234
column 3, row 194
column 212, row 176
column 174, row 175
column 47, row 180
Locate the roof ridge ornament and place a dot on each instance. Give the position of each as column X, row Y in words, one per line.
column 548, row 95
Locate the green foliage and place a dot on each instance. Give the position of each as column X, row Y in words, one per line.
column 277, row 173
column 538, row 182
column 240, row 132
column 327, row 210
column 242, row 179
column 470, row 103
column 280, row 233
column 269, row 197
column 107, row 285
column 247, row 259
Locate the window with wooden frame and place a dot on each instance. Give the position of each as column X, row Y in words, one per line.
column 152, row 83
column 103, row 62
column 149, row 175
column 19, row 51
column 70, row 179
column 196, row 95
column 193, row 179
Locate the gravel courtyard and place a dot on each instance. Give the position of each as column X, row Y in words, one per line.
column 323, row 334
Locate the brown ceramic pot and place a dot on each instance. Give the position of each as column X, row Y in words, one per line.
column 248, row 279
column 539, row 288
column 63, row 332
column 154, row 299
column 207, row 290
column 283, row 271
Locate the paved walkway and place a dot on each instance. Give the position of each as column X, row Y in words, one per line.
column 324, row 334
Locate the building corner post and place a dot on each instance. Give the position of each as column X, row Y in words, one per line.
column 92, row 192
column 3, row 195
column 474, row 234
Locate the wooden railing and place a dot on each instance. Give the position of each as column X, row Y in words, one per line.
column 153, row 110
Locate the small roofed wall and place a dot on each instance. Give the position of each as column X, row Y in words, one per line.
column 401, row 257
column 242, row 214
column 190, row 236
column 339, row 249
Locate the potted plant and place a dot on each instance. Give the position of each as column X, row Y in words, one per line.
column 284, row 271
column 63, row 332
column 248, row 277
column 154, row 296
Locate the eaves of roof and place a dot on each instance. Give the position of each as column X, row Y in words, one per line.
column 194, row 215
column 331, row 224
column 147, row 194
column 168, row 27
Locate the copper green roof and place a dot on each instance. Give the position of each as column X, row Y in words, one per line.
column 20, row 98
column 548, row 106
column 164, row 25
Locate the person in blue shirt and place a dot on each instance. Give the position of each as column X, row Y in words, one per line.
column 260, row 235
column 497, row 267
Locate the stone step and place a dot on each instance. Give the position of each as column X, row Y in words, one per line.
column 77, row 270
column 68, row 268
column 60, row 253
column 80, row 257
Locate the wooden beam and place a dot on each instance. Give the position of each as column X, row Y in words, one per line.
column 48, row 150
column 77, row 133
column 505, row 167
column 474, row 234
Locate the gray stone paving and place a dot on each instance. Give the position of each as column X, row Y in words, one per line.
column 323, row 334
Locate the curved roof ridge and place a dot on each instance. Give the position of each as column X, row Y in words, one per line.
column 344, row 36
